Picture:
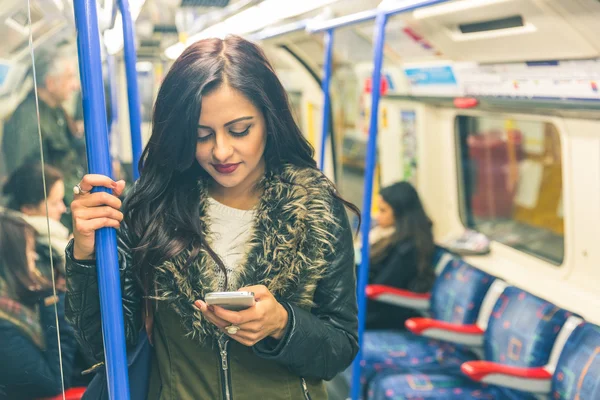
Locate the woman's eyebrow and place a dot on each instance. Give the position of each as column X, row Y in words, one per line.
column 230, row 122
column 238, row 120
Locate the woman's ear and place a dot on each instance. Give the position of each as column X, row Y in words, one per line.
column 28, row 210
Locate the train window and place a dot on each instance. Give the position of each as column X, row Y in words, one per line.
column 511, row 183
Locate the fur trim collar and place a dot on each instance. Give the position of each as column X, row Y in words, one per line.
column 287, row 249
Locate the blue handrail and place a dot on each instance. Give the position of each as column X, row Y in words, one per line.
column 96, row 138
column 133, row 94
column 363, row 274
column 406, row 6
column 327, row 71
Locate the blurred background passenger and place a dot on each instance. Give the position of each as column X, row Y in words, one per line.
column 63, row 143
column 401, row 251
column 24, row 192
column 29, row 346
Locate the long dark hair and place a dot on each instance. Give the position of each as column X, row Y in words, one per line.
column 24, row 186
column 15, row 236
column 412, row 223
column 162, row 212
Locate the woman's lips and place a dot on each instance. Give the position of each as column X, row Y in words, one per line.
column 226, row 168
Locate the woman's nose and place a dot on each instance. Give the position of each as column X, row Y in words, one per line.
column 222, row 150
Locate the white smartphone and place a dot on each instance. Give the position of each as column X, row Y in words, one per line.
column 233, row 301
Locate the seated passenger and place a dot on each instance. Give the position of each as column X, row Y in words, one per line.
column 29, row 347
column 401, row 252
column 25, row 193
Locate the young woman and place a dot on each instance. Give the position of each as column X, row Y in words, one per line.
column 29, row 346
column 25, row 193
column 402, row 249
column 229, row 198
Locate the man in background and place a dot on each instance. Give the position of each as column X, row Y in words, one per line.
column 62, row 141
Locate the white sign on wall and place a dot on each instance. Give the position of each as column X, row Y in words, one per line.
column 556, row 80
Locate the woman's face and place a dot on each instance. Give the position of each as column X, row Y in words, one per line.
column 56, row 205
column 231, row 139
column 385, row 216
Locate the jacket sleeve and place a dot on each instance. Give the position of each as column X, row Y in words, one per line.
column 21, row 143
column 323, row 342
column 83, row 299
column 29, row 371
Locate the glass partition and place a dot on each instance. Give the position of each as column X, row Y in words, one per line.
column 42, row 158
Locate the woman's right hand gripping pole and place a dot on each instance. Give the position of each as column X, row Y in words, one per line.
column 92, row 211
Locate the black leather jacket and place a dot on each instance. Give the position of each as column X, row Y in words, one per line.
column 319, row 343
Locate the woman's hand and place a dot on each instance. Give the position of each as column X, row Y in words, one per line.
column 267, row 318
column 92, row 211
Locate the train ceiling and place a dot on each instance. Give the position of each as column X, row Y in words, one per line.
column 460, row 30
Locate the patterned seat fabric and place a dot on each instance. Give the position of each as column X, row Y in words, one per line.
column 522, row 329
column 388, row 351
column 578, row 368
column 430, row 387
column 458, row 292
column 521, row 332
column 456, row 297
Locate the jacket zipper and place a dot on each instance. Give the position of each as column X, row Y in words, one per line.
column 305, row 390
column 225, row 372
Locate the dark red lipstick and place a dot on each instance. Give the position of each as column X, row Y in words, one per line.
column 226, row 168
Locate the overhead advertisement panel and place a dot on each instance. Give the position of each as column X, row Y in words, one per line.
column 553, row 80
column 432, row 80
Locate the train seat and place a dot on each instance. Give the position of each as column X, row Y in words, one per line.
column 405, row 298
column 456, row 297
column 571, row 373
column 521, row 331
column 420, row 386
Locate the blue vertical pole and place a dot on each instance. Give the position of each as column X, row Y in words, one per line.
column 133, row 94
column 327, row 70
column 96, row 138
column 363, row 274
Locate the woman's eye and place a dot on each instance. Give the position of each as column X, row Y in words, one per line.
column 204, row 138
column 242, row 133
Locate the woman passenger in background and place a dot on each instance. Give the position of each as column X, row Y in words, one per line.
column 229, row 198
column 401, row 251
column 25, row 193
column 29, row 347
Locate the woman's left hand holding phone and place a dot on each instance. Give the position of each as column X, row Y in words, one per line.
column 267, row 318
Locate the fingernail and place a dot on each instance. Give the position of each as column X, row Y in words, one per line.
column 199, row 304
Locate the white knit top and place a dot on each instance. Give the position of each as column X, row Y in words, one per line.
column 231, row 230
